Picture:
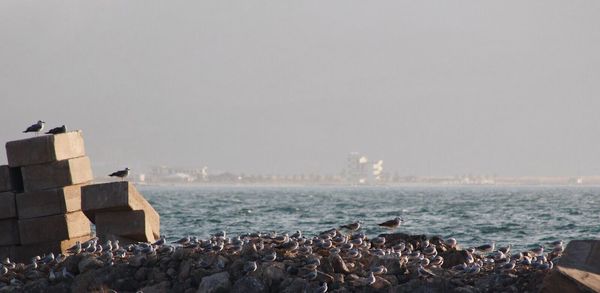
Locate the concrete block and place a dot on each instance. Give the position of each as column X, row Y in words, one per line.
column 10, row 179
column 57, row 174
column 45, row 149
column 24, row 253
column 9, row 232
column 49, row 202
column 578, row 269
column 134, row 225
column 54, row 228
column 116, row 196
column 8, row 207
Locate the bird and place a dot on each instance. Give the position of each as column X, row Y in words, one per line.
column 121, row 173
column 57, row 130
column 35, row 127
column 250, row 267
column 321, row 289
column 352, row 227
column 392, row 224
column 486, row 248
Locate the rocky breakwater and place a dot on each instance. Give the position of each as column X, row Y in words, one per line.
column 332, row 261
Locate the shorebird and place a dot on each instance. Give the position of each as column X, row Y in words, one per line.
column 121, row 173
column 57, row 130
column 321, row 289
column 352, row 227
column 486, row 248
column 423, row 272
column 392, row 224
column 36, row 128
column 250, row 267
column 451, row 242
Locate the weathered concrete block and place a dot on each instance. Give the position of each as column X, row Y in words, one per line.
column 116, row 196
column 9, row 232
column 8, row 207
column 129, row 224
column 10, row 179
column 54, row 228
column 57, row 174
column 49, row 202
column 578, row 269
column 24, row 253
column 45, row 149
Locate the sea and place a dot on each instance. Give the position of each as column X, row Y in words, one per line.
column 524, row 217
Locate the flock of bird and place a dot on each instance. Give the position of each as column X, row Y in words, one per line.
column 348, row 251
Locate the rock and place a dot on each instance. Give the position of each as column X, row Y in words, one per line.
column 249, row 284
column 72, row 262
column 326, row 266
column 218, row 282
column 273, row 274
column 157, row 275
column 126, row 284
column 184, row 269
column 89, row 263
column 36, row 286
column 84, row 282
column 162, row 287
column 171, row 272
column 137, row 261
column 338, row 264
column 293, row 285
column 141, row 273
column 454, row 257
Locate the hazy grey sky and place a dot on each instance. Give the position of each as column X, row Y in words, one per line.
column 430, row 87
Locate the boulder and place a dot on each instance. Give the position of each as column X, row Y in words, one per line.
column 249, row 284
column 215, row 283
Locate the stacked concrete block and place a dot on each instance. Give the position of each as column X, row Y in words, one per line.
column 120, row 212
column 9, row 228
column 45, row 174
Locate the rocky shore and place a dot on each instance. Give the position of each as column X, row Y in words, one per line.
column 333, row 261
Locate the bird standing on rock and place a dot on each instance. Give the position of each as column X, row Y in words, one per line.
column 121, row 173
column 57, row 130
column 37, row 128
column 392, row 224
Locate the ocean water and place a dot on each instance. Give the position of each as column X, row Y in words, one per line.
column 522, row 216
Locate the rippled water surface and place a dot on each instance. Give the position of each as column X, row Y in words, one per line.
column 523, row 216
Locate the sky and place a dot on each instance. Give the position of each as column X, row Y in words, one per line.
column 430, row 87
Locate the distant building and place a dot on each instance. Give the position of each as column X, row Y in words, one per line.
column 356, row 168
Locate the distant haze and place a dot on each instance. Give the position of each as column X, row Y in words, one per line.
column 430, row 87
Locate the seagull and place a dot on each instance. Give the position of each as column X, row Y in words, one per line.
column 57, row 130
column 392, row 224
column 121, row 173
column 35, row 127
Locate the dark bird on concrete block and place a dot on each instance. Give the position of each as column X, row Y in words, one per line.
column 57, row 130
column 392, row 224
column 35, row 127
column 121, row 174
